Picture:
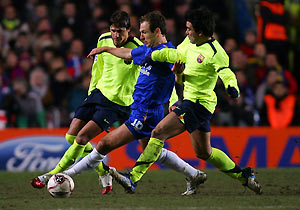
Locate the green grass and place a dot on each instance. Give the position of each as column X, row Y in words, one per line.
column 158, row 190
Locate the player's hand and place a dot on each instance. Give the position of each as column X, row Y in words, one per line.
column 232, row 92
column 95, row 51
column 178, row 67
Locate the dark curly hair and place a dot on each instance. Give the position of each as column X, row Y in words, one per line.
column 202, row 20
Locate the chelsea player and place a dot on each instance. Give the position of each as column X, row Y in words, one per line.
column 205, row 60
column 152, row 90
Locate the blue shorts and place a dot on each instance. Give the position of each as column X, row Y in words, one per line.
column 102, row 111
column 195, row 116
column 143, row 120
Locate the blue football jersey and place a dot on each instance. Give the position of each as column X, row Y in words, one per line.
column 156, row 80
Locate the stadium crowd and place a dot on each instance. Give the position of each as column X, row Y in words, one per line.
column 44, row 72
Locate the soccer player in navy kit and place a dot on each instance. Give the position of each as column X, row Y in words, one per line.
column 152, row 90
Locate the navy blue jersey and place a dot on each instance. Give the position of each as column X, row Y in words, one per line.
column 156, row 80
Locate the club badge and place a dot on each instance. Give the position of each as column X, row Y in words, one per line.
column 200, row 58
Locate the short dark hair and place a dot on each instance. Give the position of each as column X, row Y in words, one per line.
column 202, row 20
column 120, row 19
column 155, row 20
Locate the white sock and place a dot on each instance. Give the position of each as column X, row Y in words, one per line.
column 172, row 161
column 88, row 162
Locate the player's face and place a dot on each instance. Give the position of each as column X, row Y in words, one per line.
column 147, row 37
column 119, row 35
column 191, row 33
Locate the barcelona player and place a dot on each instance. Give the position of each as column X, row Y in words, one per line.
column 109, row 99
column 205, row 60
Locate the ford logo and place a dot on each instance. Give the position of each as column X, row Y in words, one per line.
column 32, row 153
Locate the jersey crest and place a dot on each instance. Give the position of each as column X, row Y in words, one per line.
column 200, row 58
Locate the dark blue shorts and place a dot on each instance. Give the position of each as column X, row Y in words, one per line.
column 102, row 111
column 143, row 120
column 195, row 116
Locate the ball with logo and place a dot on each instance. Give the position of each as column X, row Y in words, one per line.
column 60, row 185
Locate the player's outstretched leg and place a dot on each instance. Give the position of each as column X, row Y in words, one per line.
column 194, row 177
column 251, row 182
column 41, row 181
column 246, row 176
column 124, row 180
column 105, row 179
column 193, row 183
column 71, row 155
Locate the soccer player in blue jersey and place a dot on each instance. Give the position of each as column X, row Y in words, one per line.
column 205, row 60
column 152, row 90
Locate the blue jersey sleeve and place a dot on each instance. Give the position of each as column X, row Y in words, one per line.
column 140, row 54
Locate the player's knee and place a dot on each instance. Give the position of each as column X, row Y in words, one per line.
column 82, row 139
column 158, row 133
column 103, row 147
column 203, row 155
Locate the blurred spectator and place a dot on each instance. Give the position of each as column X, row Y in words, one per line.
column 243, row 111
column 44, row 25
column 239, row 62
column 180, row 10
column 75, row 58
column 23, row 43
column 69, row 17
column 279, row 109
column 135, row 25
column 286, row 76
column 258, row 58
column 92, row 28
column 172, row 33
column 230, row 45
column 66, row 37
column 11, row 25
column 39, row 88
column 56, row 64
column 25, row 64
column 78, row 93
column 60, row 86
column 248, row 45
column 265, row 87
column 24, row 105
column 11, row 69
column 36, row 12
column 47, row 55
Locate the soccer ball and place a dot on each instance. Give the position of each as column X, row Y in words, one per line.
column 60, row 185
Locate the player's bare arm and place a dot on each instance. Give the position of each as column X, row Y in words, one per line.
column 124, row 53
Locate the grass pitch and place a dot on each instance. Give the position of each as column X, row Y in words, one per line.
column 158, row 190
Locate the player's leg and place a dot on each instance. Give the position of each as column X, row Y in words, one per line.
column 111, row 141
column 87, row 133
column 202, row 147
column 170, row 126
column 171, row 160
column 74, row 128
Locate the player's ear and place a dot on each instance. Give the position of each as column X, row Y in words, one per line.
column 157, row 31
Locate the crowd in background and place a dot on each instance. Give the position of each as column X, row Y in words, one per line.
column 44, row 72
